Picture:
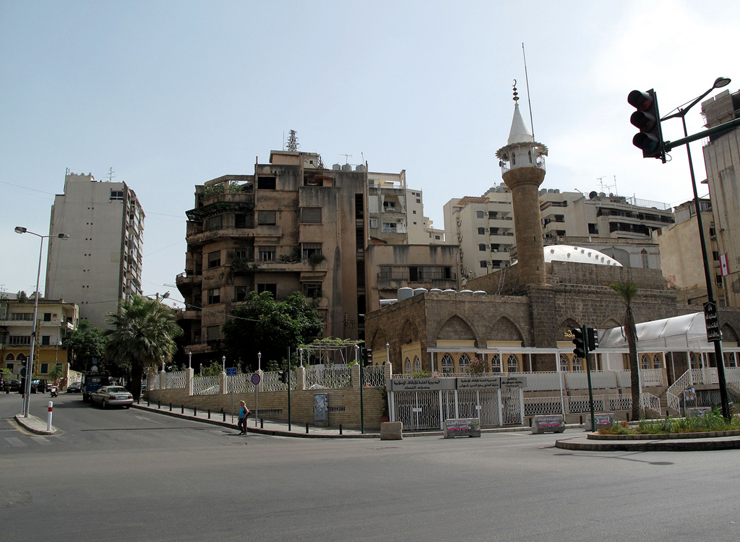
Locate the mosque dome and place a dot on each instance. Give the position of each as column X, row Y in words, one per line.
column 569, row 253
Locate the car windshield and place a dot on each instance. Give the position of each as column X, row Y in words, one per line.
column 117, row 389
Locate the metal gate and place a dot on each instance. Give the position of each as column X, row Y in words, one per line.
column 427, row 410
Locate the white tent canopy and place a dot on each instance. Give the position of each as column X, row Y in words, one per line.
column 686, row 332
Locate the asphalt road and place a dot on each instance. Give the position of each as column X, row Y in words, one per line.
column 131, row 475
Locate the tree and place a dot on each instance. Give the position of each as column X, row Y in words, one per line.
column 627, row 290
column 83, row 344
column 266, row 326
column 56, row 373
column 144, row 331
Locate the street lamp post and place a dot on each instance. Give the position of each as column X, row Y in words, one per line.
column 719, row 357
column 190, row 359
column 388, row 352
column 259, row 361
column 29, row 364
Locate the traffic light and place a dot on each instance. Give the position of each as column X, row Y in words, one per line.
column 647, row 119
column 593, row 339
column 367, row 357
column 283, row 376
column 578, row 341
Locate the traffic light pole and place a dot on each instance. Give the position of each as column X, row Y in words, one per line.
column 289, row 388
column 670, row 145
column 362, row 385
column 586, row 348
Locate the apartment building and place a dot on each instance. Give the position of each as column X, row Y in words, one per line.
column 55, row 319
column 617, row 226
column 722, row 160
column 100, row 263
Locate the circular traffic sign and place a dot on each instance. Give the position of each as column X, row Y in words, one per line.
column 255, row 378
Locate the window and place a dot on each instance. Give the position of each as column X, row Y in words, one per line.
column 311, row 215
column 644, row 362
column 266, row 254
column 496, row 363
column 266, row 218
column 19, row 339
column 312, row 290
column 463, row 363
column 417, row 364
column 240, row 293
column 9, row 357
column 272, row 288
column 719, row 281
column 479, row 214
column 214, row 296
column 731, row 360
column 512, row 364
column 448, row 366
column 481, row 246
column 373, row 222
column 22, row 316
column 45, row 341
column 563, row 364
column 47, row 317
column 213, row 333
column 656, row 361
column 483, row 264
column 214, row 259
column 116, row 195
column 481, row 231
column 389, row 227
column 309, row 249
column 407, row 366
column 213, row 223
column 389, row 206
column 645, row 262
column 240, row 254
column 266, row 183
column 577, row 368
column 240, row 220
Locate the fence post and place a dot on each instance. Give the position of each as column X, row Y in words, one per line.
column 189, row 382
column 300, row 375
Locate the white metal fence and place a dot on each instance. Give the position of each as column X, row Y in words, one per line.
column 175, row 380
column 206, row 385
column 328, row 376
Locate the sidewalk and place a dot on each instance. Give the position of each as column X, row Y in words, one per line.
column 34, row 424
column 583, row 443
column 262, row 426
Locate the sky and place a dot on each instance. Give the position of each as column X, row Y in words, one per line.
column 171, row 94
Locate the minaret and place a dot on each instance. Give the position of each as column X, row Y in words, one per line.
column 523, row 167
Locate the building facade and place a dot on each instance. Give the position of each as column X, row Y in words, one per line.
column 100, row 263
column 55, row 319
column 722, row 160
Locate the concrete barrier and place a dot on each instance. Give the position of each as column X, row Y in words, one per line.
column 554, row 423
column 391, row 431
column 462, row 427
column 603, row 419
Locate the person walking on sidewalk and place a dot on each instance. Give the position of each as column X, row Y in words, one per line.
column 243, row 413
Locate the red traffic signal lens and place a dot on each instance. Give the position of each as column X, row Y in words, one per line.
column 644, row 121
column 640, row 100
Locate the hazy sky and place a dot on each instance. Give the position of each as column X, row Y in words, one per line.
column 171, row 94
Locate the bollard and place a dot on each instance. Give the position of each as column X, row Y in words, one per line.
column 340, row 428
column 159, row 404
column 307, row 428
column 224, row 413
column 170, row 407
column 262, row 423
column 182, row 409
column 148, row 402
column 195, row 412
column 48, row 420
column 209, row 413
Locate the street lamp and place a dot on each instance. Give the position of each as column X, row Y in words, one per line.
column 388, row 353
column 259, row 361
column 190, row 359
column 29, row 365
column 719, row 358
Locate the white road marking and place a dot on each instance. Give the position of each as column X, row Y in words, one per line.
column 15, row 442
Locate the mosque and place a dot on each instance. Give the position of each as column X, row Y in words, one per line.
column 517, row 320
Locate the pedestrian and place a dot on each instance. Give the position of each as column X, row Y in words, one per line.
column 243, row 413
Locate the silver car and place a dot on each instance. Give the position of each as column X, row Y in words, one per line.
column 112, row 396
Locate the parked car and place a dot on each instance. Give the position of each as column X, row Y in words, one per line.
column 15, row 385
column 74, row 387
column 112, row 396
column 39, row 385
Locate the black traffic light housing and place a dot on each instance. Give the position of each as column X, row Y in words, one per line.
column 647, row 119
column 283, row 376
column 593, row 339
column 367, row 357
column 578, row 341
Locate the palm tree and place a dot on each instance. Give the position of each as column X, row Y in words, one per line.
column 627, row 290
column 144, row 330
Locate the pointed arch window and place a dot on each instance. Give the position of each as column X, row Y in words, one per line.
column 577, row 365
column 731, row 360
column 463, row 363
column 448, row 366
column 512, row 364
column 692, row 361
column 10, row 357
column 644, row 362
column 417, row 364
column 496, row 363
column 563, row 364
column 656, row 362
column 408, row 366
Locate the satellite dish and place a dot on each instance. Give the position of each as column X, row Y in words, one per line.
column 592, row 195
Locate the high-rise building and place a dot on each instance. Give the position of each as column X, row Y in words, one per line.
column 722, row 160
column 100, row 263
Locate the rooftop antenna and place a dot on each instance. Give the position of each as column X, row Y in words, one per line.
column 346, row 157
column 529, row 102
column 292, row 144
column 110, row 174
column 605, row 187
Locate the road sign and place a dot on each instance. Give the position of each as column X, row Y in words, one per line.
column 231, row 371
column 255, row 379
column 711, row 319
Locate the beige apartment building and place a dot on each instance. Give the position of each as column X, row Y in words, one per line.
column 722, row 160
column 617, row 226
column 100, row 263
column 55, row 319
column 295, row 225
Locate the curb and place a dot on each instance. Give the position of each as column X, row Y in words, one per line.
column 23, row 421
column 667, row 445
